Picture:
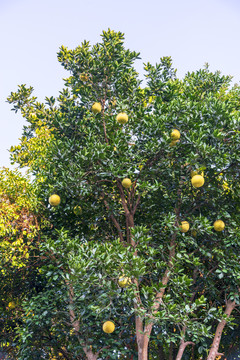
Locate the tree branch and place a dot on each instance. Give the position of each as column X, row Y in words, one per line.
column 103, row 111
column 122, row 196
column 166, row 276
column 137, row 203
column 230, row 306
column 114, row 220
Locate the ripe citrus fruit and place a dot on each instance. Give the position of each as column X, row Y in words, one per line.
column 122, row 118
column 197, row 181
column 96, row 108
column 219, row 225
column 108, row 327
column 184, row 226
column 54, row 200
column 175, row 134
column 124, row 281
column 126, row 183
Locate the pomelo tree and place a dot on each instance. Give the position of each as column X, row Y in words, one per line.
column 143, row 170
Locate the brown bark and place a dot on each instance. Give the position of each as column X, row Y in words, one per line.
column 73, row 319
column 213, row 353
column 138, row 323
column 183, row 344
column 144, row 341
column 130, row 223
column 89, row 354
column 114, row 220
column 128, row 214
column 137, row 203
column 166, row 275
column 143, row 332
column 105, row 131
column 182, row 347
column 76, row 324
column 104, row 123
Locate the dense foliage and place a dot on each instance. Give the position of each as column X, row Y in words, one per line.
column 181, row 285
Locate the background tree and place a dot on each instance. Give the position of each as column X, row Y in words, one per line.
column 19, row 228
column 83, row 153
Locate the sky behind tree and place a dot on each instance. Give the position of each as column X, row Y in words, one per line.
column 191, row 32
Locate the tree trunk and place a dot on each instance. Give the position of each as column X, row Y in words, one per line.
column 76, row 324
column 213, row 353
column 143, row 333
column 90, row 355
column 182, row 348
column 143, row 348
column 183, row 344
column 143, row 339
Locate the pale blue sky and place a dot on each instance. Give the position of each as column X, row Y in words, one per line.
column 191, row 32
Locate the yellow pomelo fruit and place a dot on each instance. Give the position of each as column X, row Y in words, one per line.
column 122, row 118
column 126, row 183
column 174, row 143
column 77, row 210
column 197, row 181
column 96, row 108
column 219, row 225
column 108, row 327
column 11, row 305
column 175, row 134
column 124, row 281
column 54, row 200
column 184, row 226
